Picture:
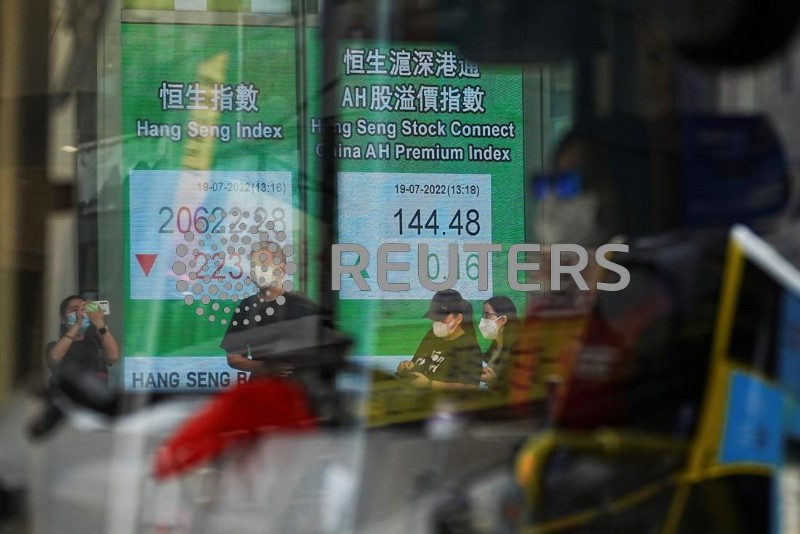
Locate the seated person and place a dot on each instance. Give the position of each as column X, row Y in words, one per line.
column 499, row 324
column 448, row 356
column 86, row 345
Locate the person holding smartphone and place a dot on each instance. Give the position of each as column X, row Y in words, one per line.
column 448, row 357
column 86, row 344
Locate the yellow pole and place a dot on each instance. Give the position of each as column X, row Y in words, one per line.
column 705, row 444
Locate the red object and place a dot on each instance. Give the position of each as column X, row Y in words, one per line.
column 233, row 417
column 593, row 393
column 146, row 262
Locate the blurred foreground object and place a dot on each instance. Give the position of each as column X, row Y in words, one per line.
column 231, row 418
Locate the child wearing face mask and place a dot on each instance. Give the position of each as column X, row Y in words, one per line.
column 86, row 344
column 448, row 356
column 498, row 323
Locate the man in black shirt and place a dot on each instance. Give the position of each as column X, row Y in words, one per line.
column 273, row 323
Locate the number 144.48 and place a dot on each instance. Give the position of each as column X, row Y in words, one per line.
column 436, row 222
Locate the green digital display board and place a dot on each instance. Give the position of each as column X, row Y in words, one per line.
column 210, row 168
column 430, row 151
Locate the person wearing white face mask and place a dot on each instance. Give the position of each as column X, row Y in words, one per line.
column 271, row 322
column 86, row 344
column 499, row 323
column 574, row 203
column 448, row 356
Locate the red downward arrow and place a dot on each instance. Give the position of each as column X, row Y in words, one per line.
column 146, row 262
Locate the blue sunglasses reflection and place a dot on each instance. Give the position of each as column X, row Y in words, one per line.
column 564, row 184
